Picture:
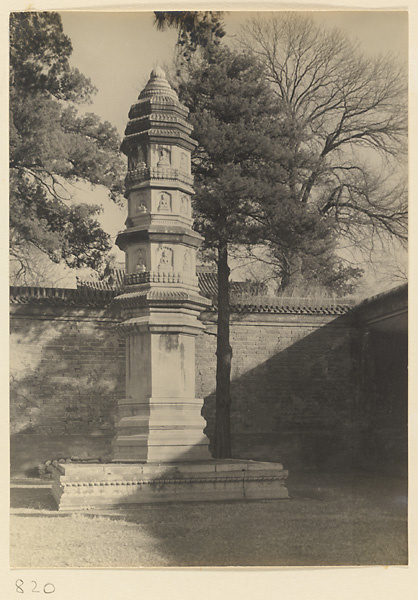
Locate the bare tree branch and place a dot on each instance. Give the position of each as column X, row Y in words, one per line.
column 346, row 117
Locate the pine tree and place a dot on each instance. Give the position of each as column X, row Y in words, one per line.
column 241, row 182
column 241, row 193
column 52, row 147
column 196, row 30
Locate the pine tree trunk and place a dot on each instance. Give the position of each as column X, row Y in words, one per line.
column 222, row 445
column 291, row 276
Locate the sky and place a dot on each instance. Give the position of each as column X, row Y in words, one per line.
column 118, row 50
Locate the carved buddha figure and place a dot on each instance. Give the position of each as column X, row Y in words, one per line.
column 164, row 156
column 184, row 204
column 141, row 207
column 184, row 163
column 139, row 261
column 187, row 261
column 165, row 202
column 136, row 158
column 166, row 258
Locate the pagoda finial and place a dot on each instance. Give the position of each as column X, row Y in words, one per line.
column 157, row 72
column 158, row 86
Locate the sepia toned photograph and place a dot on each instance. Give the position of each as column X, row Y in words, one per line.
column 208, row 289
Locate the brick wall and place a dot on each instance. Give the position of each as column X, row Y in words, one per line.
column 67, row 373
column 382, row 323
column 303, row 385
column 293, row 380
column 294, row 387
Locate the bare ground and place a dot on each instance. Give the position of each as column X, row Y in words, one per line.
column 331, row 519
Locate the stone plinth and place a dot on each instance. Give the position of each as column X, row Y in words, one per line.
column 83, row 486
column 160, row 418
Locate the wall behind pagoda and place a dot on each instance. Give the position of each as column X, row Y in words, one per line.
column 294, row 385
column 383, row 382
column 67, row 373
column 294, row 388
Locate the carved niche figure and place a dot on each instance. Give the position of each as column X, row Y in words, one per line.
column 184, row 204
column 132, row 162
column 137, row 204
column 184, row 163
column 165, row 202
column 139, row 262
column 142, row 156
column 141, row 207
column 165, row 258
column 136, row 158
column 187, row 261
column 164, row 156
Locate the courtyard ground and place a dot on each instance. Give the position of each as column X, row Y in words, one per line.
column 330, row 519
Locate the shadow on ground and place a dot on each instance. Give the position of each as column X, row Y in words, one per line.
column 34, row 498
column 331, row 519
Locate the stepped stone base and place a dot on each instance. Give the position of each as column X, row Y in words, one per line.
column 83, row 486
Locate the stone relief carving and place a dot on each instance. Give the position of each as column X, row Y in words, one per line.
column 142, row 156
column 139, row 262
column 184, row 205
column 132, row 163
column 136, row 159
column 184, row 163
column 137, row 204
column 187, row 261
column 141, row 207
column 165, row 202
column 164, row 156
column 165, row 258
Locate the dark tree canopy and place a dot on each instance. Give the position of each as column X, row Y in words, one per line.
column 196, row 29
column 52, row 146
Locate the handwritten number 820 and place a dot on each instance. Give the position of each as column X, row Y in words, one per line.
column 49, row 588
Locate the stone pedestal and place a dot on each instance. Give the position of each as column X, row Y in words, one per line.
column 80, row 487
column 160, row 417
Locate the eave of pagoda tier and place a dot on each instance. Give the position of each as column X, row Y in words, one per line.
column 147, row 121
column 157, row 136
column 159, row 234
column 163, row 105
column 152, row 121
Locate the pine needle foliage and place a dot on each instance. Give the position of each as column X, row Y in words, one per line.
column 52, row 147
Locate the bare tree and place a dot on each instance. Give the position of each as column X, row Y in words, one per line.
column 348, row 121
column 31, row 267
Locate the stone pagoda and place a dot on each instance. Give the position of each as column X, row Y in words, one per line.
column 160, row 417
column 160, row 452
